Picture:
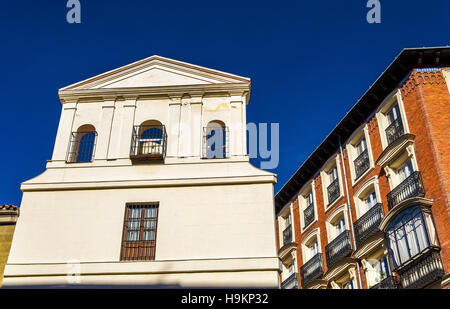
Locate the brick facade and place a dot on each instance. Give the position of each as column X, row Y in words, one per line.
column 426, row 100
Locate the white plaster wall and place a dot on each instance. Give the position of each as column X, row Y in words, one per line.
column 184, row 118
column 223, row 221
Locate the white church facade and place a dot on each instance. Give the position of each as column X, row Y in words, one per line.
column 136, row 194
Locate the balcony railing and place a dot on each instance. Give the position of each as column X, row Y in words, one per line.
column 362, row 163
column 388, row 283
column 339, row 248
column 394, row 130
column 423, row 270
column 312, row 269
column 291, row 282
column 368, row 224
column 308, row 215
column 410, row 187
column 81, row 147
column 148, row 143
column 287, row 235
column 333, row 191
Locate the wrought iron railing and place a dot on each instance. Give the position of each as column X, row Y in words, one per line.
column 312, row 269
column 291, row 282
column 287, row 235
column 148, row 142
column 308, row 215
column 333, row 191
column 394, row 130
column 339, row 248
column 362, row 163
column 81, row 147
column 410, row 187
column 388, row 283
column 421, row 270
column 368, row 224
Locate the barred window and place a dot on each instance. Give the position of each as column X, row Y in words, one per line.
column 139, row 232
column 82, row 145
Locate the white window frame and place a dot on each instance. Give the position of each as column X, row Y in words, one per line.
column 381, row 114
column 282, row 222
column 332, row 232
column 302, row 202
column 352, row 152
column 306, row 254
column 369, row 186
column 324, row 176
column 391, row 169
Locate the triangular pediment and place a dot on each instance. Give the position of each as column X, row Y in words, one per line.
column 157, row 71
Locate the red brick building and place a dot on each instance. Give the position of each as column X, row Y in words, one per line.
column 370, row 206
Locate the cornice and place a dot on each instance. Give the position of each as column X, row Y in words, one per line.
column 370, row 245
column 170, row 91
column 163, row 62
column 422, row 78
column 337, row 269
column 393, row 149
column 286, row 249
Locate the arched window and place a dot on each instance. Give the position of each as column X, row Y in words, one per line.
column 407, row 235
column 215, row 140
column 149, row 141
column 82, row 145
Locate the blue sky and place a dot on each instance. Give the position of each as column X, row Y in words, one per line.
column 309, row 61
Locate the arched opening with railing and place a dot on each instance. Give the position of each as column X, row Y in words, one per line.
column 82, row 145
column 149, row 141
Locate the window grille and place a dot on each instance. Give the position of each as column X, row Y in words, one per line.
column 81, row 147
column 139, row 232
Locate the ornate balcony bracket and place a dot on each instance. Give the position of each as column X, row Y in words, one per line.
column 286, row 250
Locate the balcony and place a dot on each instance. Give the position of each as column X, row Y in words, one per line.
column 333, row 191
column 312, row 269
column 291, row 282
column 368, row 224
column 361, row 163
column 287, row 235
column 308, row 215
column 410, row 187
column 148, row 143
column 389, row 283
column 394, row 130
column 339, row 248
column 421, row 270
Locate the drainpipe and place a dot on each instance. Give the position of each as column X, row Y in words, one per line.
column 350, row 213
